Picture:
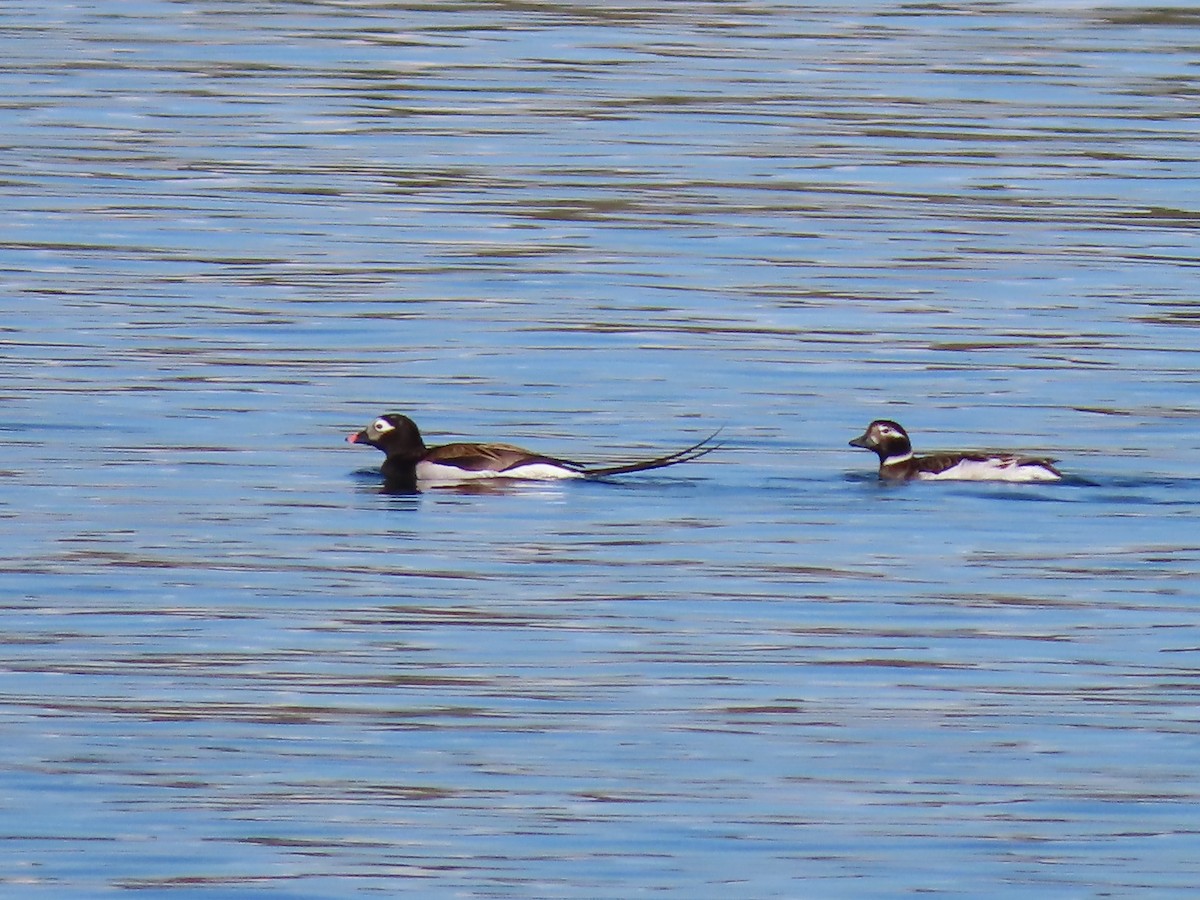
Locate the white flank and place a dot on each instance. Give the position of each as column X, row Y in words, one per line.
column 439, row 473
column 541, row 472
column 998, row 469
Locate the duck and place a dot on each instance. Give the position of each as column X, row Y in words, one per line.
column 410, row 462
column 891, row 444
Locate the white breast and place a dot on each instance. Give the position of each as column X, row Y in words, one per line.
column 996, row 469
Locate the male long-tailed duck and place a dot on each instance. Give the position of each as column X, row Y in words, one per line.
column 897, row 462
column 409, row 462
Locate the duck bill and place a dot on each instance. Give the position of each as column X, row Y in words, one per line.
column 357, row 437
column 861, row 441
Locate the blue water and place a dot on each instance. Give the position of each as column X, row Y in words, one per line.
column 231, row 666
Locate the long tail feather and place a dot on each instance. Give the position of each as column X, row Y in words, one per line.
column 687, row 454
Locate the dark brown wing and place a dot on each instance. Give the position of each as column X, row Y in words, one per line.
column 490, row 457
column 932, row 464
column 936, row 463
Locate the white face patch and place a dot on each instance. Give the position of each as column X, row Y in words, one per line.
column 379, row 427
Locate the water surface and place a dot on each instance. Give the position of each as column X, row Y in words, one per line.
column 231, row 666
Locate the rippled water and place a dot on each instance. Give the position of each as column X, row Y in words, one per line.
column 232, row 667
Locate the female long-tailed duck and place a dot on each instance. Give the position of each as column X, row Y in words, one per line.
column 409, row 462
column 897, row 462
